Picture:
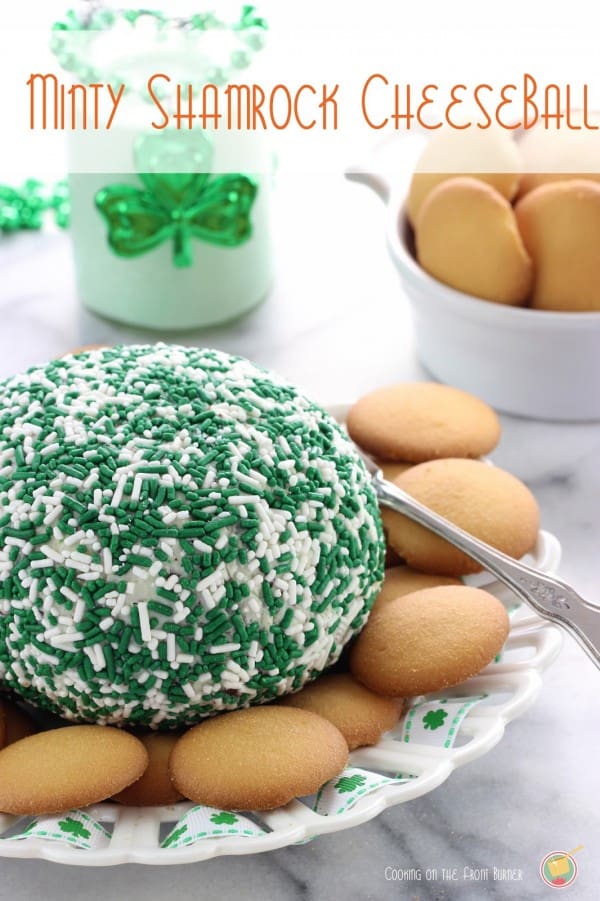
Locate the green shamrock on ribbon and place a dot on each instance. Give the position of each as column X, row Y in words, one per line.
column 434, row 719
column 179, row 200
column 349, row 783
column 175, row 836
column 223, row 818
column 74, row 828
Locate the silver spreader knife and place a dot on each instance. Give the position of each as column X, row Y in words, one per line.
column 550, row 597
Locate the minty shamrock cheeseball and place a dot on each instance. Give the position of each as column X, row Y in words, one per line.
column 181, row 533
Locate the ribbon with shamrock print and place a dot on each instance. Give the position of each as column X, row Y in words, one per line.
column 207, row 822
column 75, row 827
column 179, row 200
column 431, row 722
column 437, row 722
column 343, row 792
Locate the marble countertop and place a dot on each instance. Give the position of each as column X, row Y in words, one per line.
column 337, row 324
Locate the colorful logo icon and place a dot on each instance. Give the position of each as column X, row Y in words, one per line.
column 558, row 869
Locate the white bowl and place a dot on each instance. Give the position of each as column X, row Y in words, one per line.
column 534, row 363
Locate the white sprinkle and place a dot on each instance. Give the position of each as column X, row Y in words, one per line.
column 142, row 608
column 42, row 564
column 49, row 449
column 180, row 615
column 201, row 546
column 205, row 583
column 118, row 493
column 47, row 658
column 76, row 564
column 19, row 672
column 52, row 554
column 119, row 606
column 52, row 515
column 224, row 648
column 79, row 610
column 63, row 638
column 189, row 691
column 237, row 669
column 137, row 488
column 244, row 479
column 106, row 623
column 171, row 647
column 81, row 558
column 75, row 538
column 161, row 674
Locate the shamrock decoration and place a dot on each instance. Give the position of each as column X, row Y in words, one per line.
column 74, row 828
column 227, row 819
column 349, row 783
column 179, row 201
column 174, row 836
column 434, row 719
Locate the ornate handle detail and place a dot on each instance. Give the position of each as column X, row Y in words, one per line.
column 550, row 595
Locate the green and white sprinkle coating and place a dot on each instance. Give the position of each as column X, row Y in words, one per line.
column 181, row 533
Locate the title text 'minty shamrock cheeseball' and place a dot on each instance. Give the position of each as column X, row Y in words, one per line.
column 181, row 533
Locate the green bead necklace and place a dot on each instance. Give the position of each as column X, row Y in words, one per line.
column 247, row 28
column 26, row 208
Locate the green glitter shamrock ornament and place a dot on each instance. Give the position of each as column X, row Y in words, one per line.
column 74, row 828
column 180, row 200
column 349, row 783
column 223, row 818
column 434, row 719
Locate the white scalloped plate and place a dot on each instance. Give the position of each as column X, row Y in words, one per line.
column 510, row 686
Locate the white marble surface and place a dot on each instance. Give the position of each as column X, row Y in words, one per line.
column 337, row 324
